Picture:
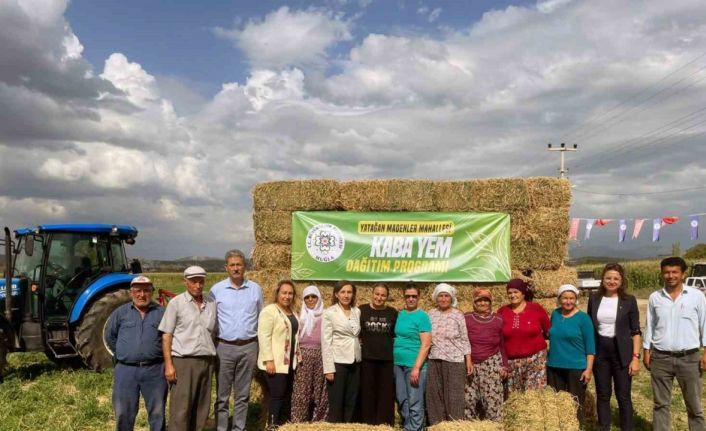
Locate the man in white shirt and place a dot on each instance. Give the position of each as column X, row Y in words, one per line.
column 674, row 333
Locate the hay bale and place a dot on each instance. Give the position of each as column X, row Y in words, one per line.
column 453, row 196
column 548, row 192
column 539, row 238
column 546, row 283
column 369, row 195
column 410, row 195
column 300, row 195
column 466, row 426
column 272, row 226
column 501, row 194
column 325, row 426
column 266, row 256
column 540, row 410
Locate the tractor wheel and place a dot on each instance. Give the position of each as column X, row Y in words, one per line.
column 4, row 349
column 89, row 333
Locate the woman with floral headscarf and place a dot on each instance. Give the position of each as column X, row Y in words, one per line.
column 449, row 358
column 525, row 329
column 309, row 396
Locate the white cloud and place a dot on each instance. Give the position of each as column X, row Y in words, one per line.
column 476, row 102
column 285, row 38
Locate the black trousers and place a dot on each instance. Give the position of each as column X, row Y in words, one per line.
column 343, row 393
column 609, row 373
column 377, row 395
column 562, row 379
column 279, row 403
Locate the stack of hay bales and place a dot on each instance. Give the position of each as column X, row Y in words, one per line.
column 538, row 208
column 467, row 426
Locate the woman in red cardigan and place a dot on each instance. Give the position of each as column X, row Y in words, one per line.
column 525, row 329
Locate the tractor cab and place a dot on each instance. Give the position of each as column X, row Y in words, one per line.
column 60, row 273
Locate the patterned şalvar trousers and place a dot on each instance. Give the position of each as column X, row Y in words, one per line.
column 445, row 391
column 528, row 373
column 309, row 395
column 484, row 390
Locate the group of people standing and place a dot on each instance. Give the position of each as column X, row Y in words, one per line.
column 345, row 363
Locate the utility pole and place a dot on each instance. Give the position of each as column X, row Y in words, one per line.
column 562, row 149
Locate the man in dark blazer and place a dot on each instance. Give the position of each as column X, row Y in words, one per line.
column 616, row 320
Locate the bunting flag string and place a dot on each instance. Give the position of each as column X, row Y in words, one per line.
column 657, row 225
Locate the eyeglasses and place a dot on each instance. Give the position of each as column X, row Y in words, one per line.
column 311, row 297
column 410, row 296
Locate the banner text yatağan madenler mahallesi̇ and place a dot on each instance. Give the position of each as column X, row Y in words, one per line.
column 416, row 246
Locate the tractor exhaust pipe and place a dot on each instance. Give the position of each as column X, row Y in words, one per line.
column 8, row 275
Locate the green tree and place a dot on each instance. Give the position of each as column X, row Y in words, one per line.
column 696, row 252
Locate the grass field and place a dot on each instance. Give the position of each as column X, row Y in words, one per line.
column 37, row 394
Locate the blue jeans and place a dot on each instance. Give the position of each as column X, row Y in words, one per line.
column 410, row 398
column 128, row 383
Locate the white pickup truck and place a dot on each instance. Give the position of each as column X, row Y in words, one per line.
column 587, row 282
column 697, row 282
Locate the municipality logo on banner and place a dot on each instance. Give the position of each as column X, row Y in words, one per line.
column 325, row 242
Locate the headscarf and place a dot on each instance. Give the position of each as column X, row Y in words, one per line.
column 445, row 288
column 482, row 292
column 307, row 316
column 522, row 286
column 567, row 288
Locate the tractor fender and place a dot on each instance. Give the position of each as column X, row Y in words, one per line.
column 96, row 289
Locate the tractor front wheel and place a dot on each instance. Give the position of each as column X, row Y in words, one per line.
column 90, row 340
column 4, row 349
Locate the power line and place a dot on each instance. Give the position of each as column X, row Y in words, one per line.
column 668, row 130
column 587, row 123
column 619, row 118
column 593, row 192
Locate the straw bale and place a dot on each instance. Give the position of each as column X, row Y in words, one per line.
column 388, row 195
column 540, row 410
column 265, row 256
column 466, row 426
column 539, row 238
column 501, row 194
column 369, row 195
column 325, row 426
column 272, row 226
column 410, row 195
column 268, row 278
column 548, row 192
column 546, row 283
column 297, row 195
column 453, row 196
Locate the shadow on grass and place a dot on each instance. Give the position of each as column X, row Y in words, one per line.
column 29, row 366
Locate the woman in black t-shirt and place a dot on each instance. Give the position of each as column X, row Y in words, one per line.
column 377, row 387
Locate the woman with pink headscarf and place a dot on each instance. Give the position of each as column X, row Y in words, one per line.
column 484, row 388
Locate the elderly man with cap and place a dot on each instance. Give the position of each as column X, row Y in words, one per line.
column 449, row 358
column 238, row 303
column 132, row 335
column 572, row 347
column 484, row 388
column 188, row 329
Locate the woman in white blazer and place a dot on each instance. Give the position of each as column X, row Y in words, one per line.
column 340, row 351
column 277, row 338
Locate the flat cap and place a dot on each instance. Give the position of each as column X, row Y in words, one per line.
column 140, row 279
column 194, row 271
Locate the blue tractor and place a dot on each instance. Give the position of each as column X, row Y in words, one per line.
column 62, row 282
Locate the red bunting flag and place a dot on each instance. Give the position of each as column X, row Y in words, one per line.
column 669, row 220
column 603, row 221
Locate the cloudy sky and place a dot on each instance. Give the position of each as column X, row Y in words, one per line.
column 164, row 114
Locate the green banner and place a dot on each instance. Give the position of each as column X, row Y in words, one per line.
column 400, row 246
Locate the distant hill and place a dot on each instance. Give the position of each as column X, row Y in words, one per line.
column 210, row 264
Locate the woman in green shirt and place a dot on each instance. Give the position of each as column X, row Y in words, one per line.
column 572, row 347
column 412, row 343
